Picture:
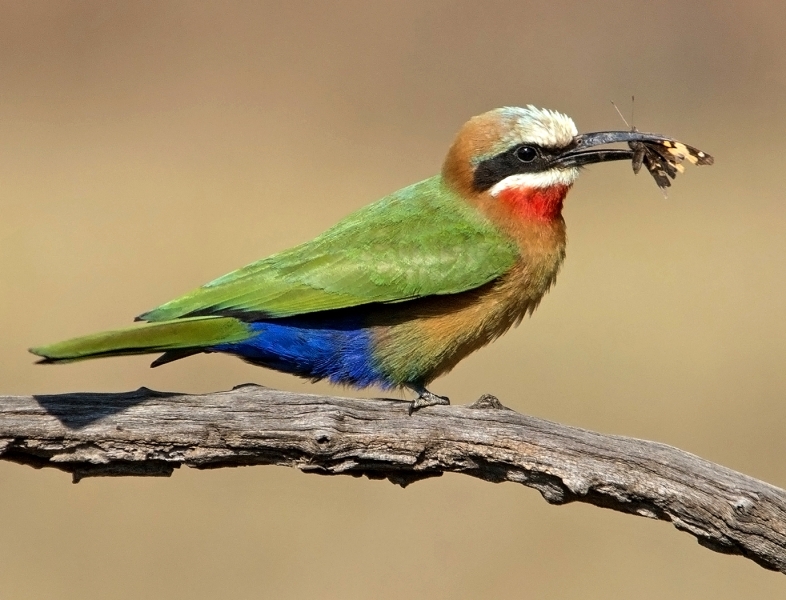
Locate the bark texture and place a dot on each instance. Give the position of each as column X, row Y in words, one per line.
column 151, row 433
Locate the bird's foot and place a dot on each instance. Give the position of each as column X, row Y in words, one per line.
column 426, row 398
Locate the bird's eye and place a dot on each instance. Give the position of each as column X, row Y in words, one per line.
column 526, row 154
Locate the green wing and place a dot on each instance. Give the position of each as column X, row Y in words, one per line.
column 420, row 241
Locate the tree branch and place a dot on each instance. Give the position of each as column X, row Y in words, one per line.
column 152, row 433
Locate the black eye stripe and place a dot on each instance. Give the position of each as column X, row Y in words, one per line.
column 511, row 162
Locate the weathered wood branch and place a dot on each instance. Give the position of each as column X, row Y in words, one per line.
column 152, row 433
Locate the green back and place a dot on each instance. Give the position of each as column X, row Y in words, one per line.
column 420, row 241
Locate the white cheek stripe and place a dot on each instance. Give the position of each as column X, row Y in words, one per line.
column 544, row 179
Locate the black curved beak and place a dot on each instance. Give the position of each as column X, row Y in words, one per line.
column 584, row 151
column 661, row 155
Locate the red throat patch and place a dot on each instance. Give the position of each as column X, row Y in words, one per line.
column 543, row 204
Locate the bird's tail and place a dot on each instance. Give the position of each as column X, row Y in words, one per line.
column 176, row 339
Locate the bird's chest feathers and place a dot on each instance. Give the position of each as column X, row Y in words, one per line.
column 533, row 203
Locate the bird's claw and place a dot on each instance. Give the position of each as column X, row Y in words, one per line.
column 427, row 398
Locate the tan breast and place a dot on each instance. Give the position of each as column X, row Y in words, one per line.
column 431, row 335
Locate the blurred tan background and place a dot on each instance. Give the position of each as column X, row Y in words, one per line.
column 147, row 147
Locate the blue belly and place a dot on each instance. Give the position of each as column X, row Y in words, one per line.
column 315, row 348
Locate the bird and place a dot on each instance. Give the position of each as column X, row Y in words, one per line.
column 398, row 292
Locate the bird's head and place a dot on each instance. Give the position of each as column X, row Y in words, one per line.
column 519, row 163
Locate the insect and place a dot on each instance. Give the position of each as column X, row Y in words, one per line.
column 663, row 158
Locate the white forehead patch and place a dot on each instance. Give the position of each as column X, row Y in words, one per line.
column 539, row 126
column 544, row 179
column 528, row 125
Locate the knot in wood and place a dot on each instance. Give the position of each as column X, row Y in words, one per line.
column 322, row 437
column 488, row 401
column 743, row 505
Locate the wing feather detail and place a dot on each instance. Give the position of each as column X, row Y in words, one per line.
column 421, row 241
